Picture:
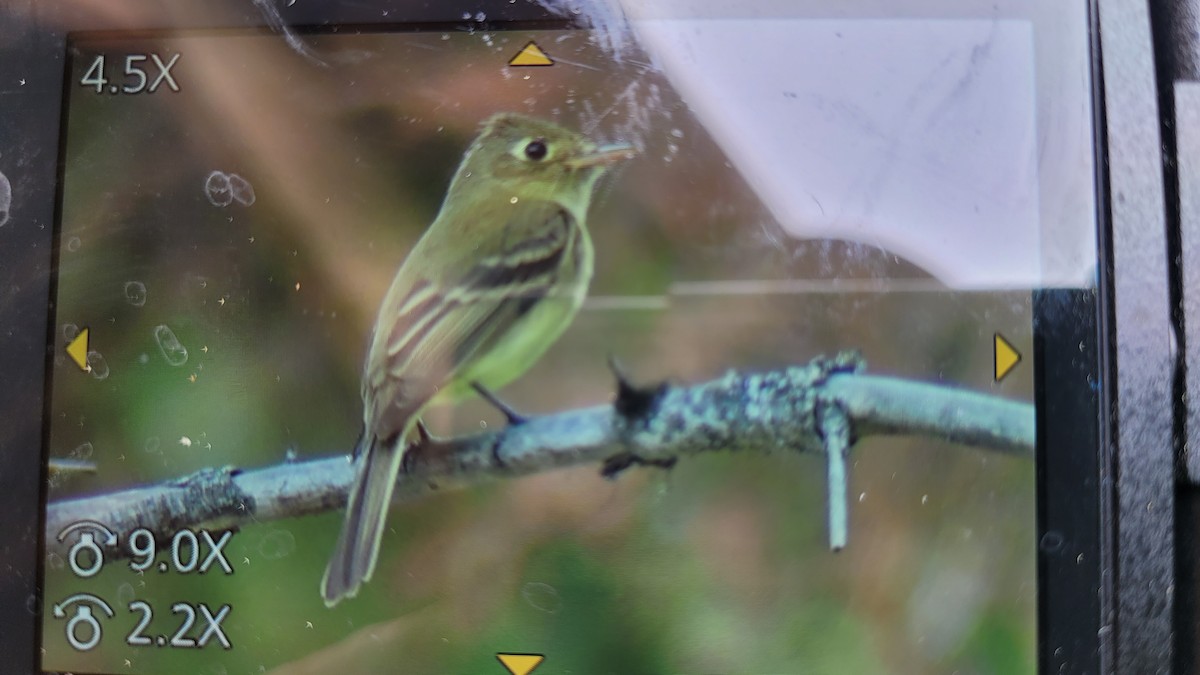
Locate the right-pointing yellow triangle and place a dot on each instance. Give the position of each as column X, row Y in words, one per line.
column 531, row 55
column 521, row 664
column 1005, row 357
column 78, row 349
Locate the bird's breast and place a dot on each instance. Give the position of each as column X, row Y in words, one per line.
column 541, row 325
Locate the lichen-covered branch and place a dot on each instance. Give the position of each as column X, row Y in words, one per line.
column 797, row 409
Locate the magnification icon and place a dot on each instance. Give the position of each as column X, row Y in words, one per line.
column 83, row 629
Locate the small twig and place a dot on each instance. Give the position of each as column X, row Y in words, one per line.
column 835, row 428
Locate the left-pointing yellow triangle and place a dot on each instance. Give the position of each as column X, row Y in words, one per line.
column 78, row 349
column 521, row 664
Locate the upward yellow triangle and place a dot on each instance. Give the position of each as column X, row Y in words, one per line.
column 531, row 55
column 78, row 349
column 521, row 664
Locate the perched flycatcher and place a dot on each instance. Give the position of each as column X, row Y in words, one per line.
column 492, row 283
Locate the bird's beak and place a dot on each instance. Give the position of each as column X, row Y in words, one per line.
column 604, row 156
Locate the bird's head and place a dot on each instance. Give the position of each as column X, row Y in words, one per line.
column 535, row 159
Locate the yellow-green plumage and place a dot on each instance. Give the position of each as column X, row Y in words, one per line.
column 492, row 283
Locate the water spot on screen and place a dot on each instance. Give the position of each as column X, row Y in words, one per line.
column 542, row 597
column 135, row 293
column 243, row 191
column 54, row 561
column 5, row 199
column 170, row 346
column 223, row 189
column 125, row 594
column 151, row 444
column 73, row 244
column 277, row 544
column 97, row 365
column 217, row 189
column 70, row 331
column 33, row 605
column 1052, row 542
column 83, row 451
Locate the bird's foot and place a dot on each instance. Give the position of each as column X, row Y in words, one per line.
column 620, row 462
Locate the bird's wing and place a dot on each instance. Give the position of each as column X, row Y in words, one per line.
column 444, row 323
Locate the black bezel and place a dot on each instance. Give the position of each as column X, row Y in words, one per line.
column 1069, row 485
column 1074, row 330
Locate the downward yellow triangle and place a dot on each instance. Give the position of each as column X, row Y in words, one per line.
column 531, row 55
column 1005, row 357
column 78, row 349
column 521, row 664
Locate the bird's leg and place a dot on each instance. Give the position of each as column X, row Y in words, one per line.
column 514, row 418
column 423, row 434
column 422, row 442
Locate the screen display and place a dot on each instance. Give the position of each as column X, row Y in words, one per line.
column 638, row 245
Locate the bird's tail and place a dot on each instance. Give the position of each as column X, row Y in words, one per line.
column 357, row 547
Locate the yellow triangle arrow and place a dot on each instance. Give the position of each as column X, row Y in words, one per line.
column 531, row 55
column 78, row 350
column 521, row 664
column 1004, row 357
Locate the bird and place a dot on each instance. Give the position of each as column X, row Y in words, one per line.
column 490, row 285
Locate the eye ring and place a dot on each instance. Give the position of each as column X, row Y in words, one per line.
column 536, row 150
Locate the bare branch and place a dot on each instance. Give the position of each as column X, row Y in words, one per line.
column 798, row 409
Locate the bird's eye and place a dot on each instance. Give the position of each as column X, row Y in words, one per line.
column 536, row 149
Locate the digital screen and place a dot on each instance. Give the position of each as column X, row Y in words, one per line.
column 736, row 211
